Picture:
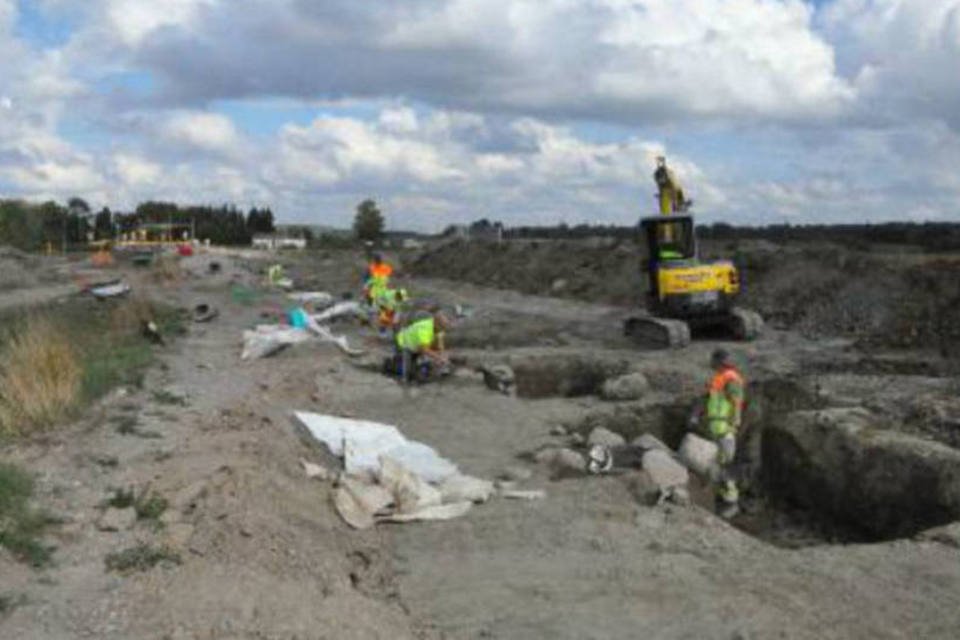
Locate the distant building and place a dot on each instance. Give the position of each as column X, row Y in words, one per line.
column 273, row 242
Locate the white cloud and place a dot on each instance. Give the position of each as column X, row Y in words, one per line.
column 903, row 55
column 627, row 61
column 133, row 170
column 207, row 131
column 134, row 20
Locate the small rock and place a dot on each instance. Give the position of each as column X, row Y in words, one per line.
column 631, row 386
column 315, row 470
column 516, row 474
column 577, row 439
column 664, row 470
column 568, row 462
column 546, row 455
column 500, row 378
column 558, row 430
column 117, row 519
column 643, row 488
column 602, row 435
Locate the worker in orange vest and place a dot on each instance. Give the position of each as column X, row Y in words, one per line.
column 722, row 406
column 378, row 278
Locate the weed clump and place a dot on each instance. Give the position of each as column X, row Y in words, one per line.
column 20, row 524
column 141, row 557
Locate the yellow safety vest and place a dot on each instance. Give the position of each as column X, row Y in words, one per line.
column 417, row 336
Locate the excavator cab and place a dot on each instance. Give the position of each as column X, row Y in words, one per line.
column 669, row 238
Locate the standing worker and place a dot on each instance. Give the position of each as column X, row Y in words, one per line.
column 378, row 278
column 723, row 408
column 422, row 338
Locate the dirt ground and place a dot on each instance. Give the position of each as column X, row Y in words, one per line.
column 265, row 555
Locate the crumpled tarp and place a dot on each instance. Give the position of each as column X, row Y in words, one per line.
column 389, row 478
column 267, row 339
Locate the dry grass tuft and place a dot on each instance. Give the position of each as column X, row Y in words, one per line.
column 40, row 377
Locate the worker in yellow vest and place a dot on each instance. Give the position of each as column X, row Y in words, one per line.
column 420, row 344
column 722, row 407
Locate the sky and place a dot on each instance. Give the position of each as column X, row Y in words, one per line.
column 525, row 111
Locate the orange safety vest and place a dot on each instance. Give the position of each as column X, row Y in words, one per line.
column 721, row 401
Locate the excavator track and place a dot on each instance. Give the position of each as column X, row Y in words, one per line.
column 745, row 324
column 657, row 333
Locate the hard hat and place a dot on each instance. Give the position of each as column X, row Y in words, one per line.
column 720, row 357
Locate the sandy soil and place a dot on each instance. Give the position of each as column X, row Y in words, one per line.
column 264, row 555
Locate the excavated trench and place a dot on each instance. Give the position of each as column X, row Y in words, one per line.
column 811, row 474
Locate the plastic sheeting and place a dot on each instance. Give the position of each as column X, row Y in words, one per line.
column 361, row 443
column 339, row 310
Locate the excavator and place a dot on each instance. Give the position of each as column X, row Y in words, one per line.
column 684, row 293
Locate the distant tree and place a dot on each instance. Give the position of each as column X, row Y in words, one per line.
column 368, row 223
column 78, row 206
column 103, row 224
column 260, row 221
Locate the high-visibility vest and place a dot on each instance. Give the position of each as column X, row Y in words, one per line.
column 417, row 336
column 724, row 396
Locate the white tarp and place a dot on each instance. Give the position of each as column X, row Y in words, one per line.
column 338, row 310
column 326, row 335
column 269, row 338
column 361, row 444
column 317, row 298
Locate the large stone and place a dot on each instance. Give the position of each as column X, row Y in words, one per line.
column 604, row 436
column 632, row 386
column 664, row 471
column 699, row 455
column 649, row 441
column 117, row 519
column 841, row 463
column 568, row 462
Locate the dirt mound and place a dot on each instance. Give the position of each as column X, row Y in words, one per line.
column 880, row 296
column 595, row 271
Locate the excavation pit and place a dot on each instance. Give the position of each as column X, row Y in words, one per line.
column 563, row 375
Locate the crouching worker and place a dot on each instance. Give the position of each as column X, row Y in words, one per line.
column 722, row 407
column 420, row 347
column 390, row 305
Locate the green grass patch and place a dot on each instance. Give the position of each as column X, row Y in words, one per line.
column 21, row 525
column 141, row 557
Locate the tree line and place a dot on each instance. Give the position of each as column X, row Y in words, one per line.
column 35, row 227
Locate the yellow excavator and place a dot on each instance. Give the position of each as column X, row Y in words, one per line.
column 684, row 292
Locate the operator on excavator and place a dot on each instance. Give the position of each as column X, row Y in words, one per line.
column 722, row 406
column 671, row 201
